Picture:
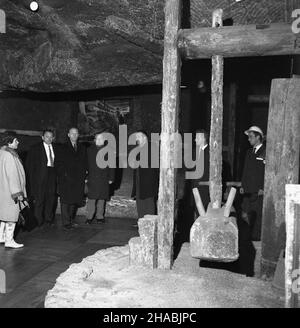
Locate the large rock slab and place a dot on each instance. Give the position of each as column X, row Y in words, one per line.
column 144, row 249
column 214, row 237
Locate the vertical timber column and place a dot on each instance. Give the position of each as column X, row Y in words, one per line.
column 216, row 125
column 282, row 167
column 169, row 125
column 292, row 250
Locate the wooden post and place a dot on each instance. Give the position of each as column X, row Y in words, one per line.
column 24, row 132
column 292, row 250
column 169, row 125
column 239, row 41
column 216, row 127
column 282, row 167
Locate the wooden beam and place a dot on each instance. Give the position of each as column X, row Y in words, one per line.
column 292, row 250
column 239, row 41
column 216, row 127
column 169, row 125
column 24, row 132
column 258, row 99
column 282, row 167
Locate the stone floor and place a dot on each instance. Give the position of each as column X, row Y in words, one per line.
column 106, row 280
column 48, row 252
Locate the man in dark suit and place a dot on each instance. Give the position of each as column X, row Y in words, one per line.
column 202, row 183
column 99, row 182
column 253, row 181
column 71, row 165
column 145, row 180
column 41, row 172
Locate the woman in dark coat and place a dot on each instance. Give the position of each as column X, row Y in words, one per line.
column 99, row 181
column 71, row 165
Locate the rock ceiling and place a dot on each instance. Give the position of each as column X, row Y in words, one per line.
column 72, row 45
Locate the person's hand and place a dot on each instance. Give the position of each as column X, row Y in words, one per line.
column 110, row 182
column 242, row 191
column 260, row 192
column 20, row 197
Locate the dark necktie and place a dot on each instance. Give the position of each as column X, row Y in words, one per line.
column 253, row 150
column 75, row 146
column 51, row 157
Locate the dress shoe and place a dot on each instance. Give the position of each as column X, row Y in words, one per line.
column 100, row 221
column 74, row 225
column 87, row 221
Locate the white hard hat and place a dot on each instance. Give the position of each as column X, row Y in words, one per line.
column 254, row 129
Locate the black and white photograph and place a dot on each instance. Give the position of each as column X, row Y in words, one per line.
column 149, row 157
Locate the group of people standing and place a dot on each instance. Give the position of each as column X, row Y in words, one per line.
column 65, row 170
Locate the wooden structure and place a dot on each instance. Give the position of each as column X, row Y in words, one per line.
column 282, row 166
column 229, row 41
column 169, row 125
column 24, row 132
column 292, row 250
column 216, row 128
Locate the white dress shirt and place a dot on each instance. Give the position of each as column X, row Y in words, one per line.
column 256, row 148
column 48, row 154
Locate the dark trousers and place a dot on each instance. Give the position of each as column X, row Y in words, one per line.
column 44, row 202
column 68, row 212
column 146, row 206
column 252, row 205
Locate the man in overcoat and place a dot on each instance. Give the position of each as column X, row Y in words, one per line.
column 71, row 165
column 99, row 182
column 253, row 181
column 145, row 181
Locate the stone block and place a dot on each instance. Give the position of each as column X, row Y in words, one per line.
column 214, row 238
column 135, row 251
column 148, row 234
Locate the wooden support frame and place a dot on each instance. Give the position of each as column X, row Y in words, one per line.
column 282, row 167
column 292, row 250
column 169, row 125
column 239, row 41
column 216, row 128
column 24, row 132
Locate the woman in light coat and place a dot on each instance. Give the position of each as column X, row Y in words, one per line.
column 12, row 189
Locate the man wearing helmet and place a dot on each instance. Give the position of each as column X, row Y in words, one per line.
column 253, row 181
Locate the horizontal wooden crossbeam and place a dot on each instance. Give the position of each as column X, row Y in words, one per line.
column 239, row 41
column 24, row 132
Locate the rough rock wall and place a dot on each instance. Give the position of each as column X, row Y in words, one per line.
column 23, row 113
column 89, row 44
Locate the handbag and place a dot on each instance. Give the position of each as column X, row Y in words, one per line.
column 26, row 218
